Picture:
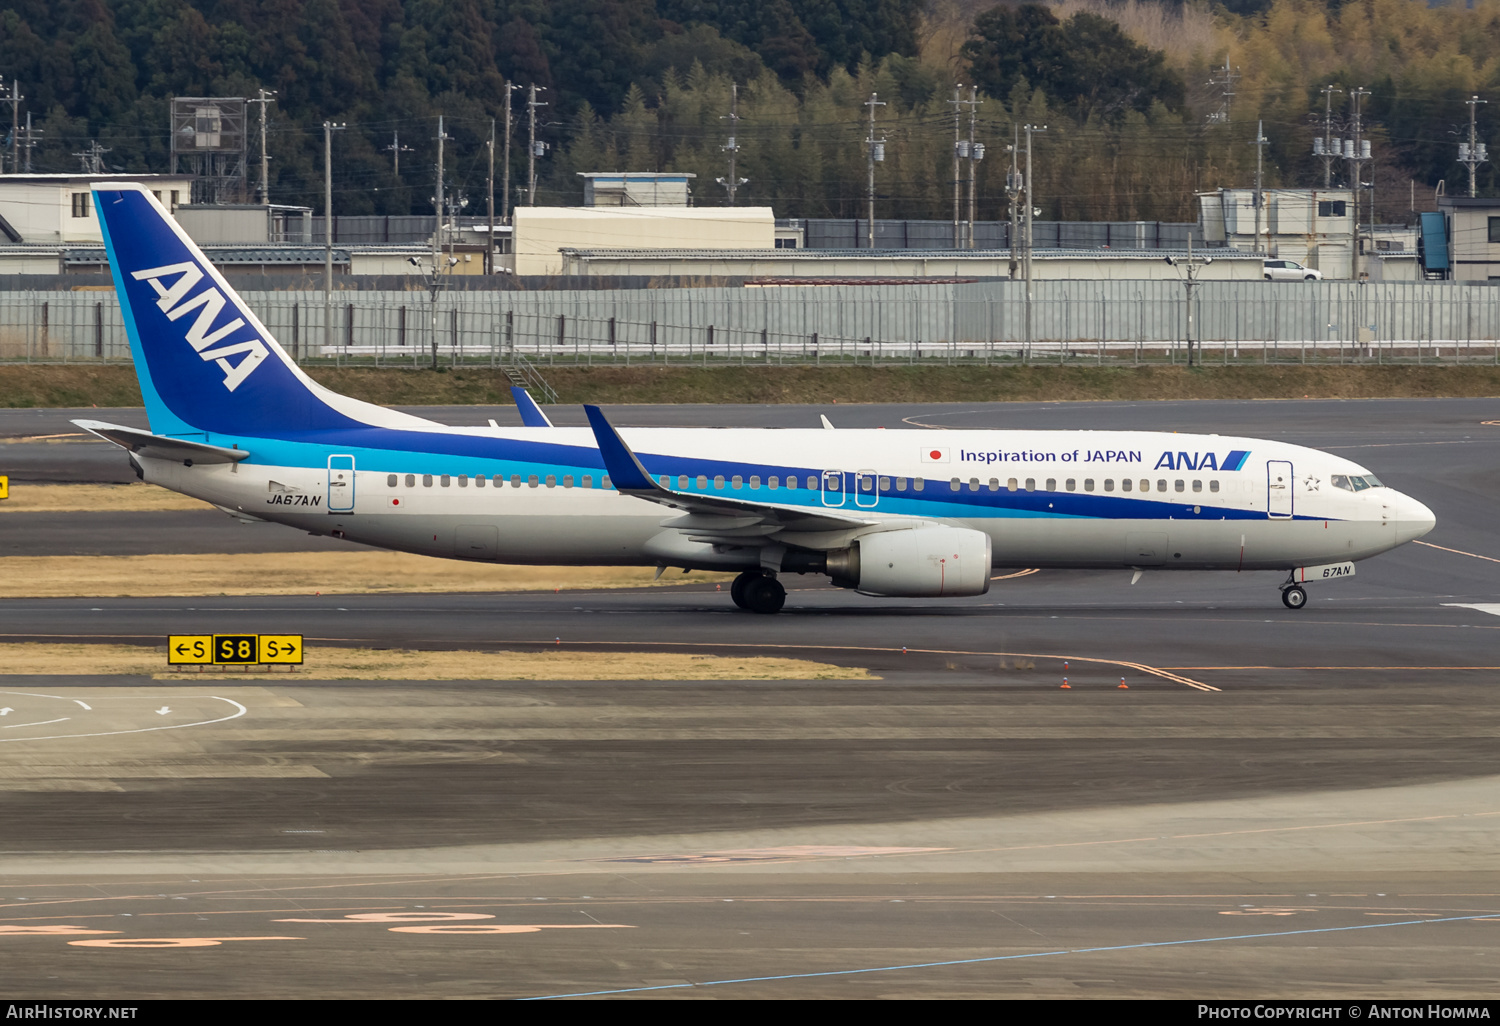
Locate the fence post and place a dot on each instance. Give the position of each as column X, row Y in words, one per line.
column 708, row 342
column 562, row 327
column 99, row 330
column 817, row 353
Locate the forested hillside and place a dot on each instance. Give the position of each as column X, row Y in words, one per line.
column 645, row 85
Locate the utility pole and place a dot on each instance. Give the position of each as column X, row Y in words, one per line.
column 14, row 99
column 1225, row 78
column 732, row 184
column 510, row 87
column 976, row 152
column 328, row 129
column 1013, row 187
column 92, row 158
column 876, row 153
column 957, row 152
column 395, row 149
column 265, row 175
column 31, row 141
column 1031, row 208
column 435, row 284
column 1260, row 150
column 489, row 249
column 536, row 149
column 1356, row 152
column 1473, row 153
column 1325, row 147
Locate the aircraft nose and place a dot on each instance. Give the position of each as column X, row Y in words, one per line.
column 1412, row 518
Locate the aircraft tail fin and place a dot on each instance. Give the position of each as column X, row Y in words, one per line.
column 205, row 361
column 531, row 413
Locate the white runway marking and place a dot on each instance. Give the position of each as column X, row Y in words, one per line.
column 239, row 710
column 1493, row 608
column 38, row 723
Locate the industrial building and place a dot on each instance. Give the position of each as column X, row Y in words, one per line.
column 1315, row 227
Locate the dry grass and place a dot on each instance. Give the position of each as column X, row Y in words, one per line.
column 302, row 573
column 397, row 664
column 95, row 498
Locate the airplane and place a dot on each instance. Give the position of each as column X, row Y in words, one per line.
column 235, row 422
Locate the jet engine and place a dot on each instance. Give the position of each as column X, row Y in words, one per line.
column 915, row 563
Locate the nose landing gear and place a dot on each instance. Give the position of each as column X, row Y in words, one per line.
column 758, row 592
column 1294, row 596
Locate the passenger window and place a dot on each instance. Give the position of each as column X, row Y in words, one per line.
column 773, row 482
column 682, row 481
column 445, row 480
column 390, row 481
column 1161, row 485
column 478, row 480
column 755, row 482
column 1213, row 486
column 588, row 480
column 411, row 480
column 718, row 480
column 1125, row 484
column 736, row 481
column 463, row 480
column 791, row 481
column 1010, row 485
column 551, row 480
column 1145, row 484
column 532, row 481
column 1072, row 484
column 917, row 484
column 1178, row 484
column 604, row 483
column 1197, row 485
column 567, row 480
column 1031, row 484
column 994, row 484
column 1088, row 484
column 812, row 482
column 1109, row 484
column 1051, row 484
column 885, row 484
column 666, row 482
column 973, row 484
column 955, row 485
column 900, row 484
column 702, row 481
column 426, row 480
column 498, row 481
column 515, row 481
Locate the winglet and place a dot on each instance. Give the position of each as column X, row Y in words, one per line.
column 625, row 470
column 531, row 413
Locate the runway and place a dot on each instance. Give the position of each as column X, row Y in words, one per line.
column 1277, row 804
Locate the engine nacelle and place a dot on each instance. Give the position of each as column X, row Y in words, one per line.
column 921, row 562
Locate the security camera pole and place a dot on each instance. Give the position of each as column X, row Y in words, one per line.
column 1188, row 271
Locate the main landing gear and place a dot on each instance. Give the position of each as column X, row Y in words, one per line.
column 758, row 592
column 1293, row 596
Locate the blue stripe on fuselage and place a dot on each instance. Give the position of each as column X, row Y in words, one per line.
column 398, row 451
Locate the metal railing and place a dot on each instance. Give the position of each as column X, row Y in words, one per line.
column 1070, row 322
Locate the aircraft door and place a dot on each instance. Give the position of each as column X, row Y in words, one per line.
column 1280, row 501
column 341, row 484
column 866, row 489
column 833, row 488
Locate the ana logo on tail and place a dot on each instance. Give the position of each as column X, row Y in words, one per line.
column 173, row 301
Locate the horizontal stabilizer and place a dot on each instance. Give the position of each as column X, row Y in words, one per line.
column 531, row 413
column 161, row 447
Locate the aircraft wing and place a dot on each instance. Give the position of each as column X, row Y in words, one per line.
column 707, row 514
column 531, row 413
column 161, row 447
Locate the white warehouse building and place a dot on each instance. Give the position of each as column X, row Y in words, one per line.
column 1314, row 227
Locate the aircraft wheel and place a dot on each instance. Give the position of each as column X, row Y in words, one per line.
column 743, row 581
column 1294, row 597
column 764, row 595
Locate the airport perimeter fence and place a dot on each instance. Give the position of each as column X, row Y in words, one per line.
column 1066, row 322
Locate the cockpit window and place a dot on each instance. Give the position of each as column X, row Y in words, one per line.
column 1354, row 482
